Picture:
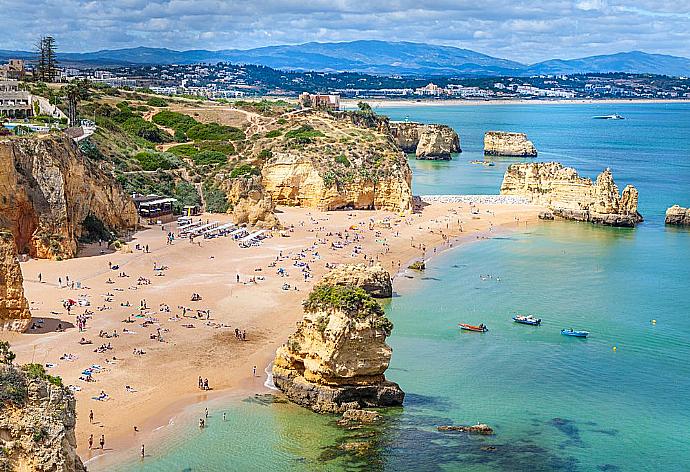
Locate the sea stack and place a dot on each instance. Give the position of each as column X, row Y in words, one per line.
column 677, row 215
column 14, row 309
column 504, row 143
column 569, row 196
column 427, row 142
column 337, row 358
column 37, row 419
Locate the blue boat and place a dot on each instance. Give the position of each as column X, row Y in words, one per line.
column 577, row 334
column 528, row 320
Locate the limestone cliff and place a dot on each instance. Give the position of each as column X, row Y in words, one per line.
column 503, row 143
column 37, row 419
column 336, row 359
column 426, row 141
column 331, row 164
column 249, row 202
column 573, row 197
column 14, row 309
column 374, row 280
column 47, row 190
column 677, row 215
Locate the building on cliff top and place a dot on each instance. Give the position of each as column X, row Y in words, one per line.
column 14, row 103
column 321, row 102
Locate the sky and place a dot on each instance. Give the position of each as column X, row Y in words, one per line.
column 523, row 30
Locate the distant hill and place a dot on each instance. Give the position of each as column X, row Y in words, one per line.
column 379, row 57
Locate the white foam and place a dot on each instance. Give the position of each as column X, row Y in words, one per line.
column 269, row 378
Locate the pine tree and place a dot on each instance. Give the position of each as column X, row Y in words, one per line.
column 46, row 64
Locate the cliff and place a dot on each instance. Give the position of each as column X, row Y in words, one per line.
column 426, row 141
column 48, row 189
column 374, row 280
column 37, row 418
column 677, row 215
column 336, row 359
column 570, row 196
column 14, row 309
column 331, row 164
column 249, row 202
column 503, row 143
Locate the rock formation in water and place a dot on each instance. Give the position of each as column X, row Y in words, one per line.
column 47, row 191
column 426, row 141
column 677, row 215
column 336, row 359
column 330, row 164
column 375, row 280
column 249, row 202
column 14, row 309
column 504, row 143
column 570, row 196
column 37, row 419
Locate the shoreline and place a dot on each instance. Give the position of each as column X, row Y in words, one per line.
column 160, row 433
column 398, row 103
column 263, row 309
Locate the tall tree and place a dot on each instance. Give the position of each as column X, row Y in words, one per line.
column 46, row 59
column 74, row 92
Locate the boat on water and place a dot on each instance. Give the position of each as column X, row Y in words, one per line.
column 468, row 327
column 615, row 116
column 527, row 319
column 574, row 333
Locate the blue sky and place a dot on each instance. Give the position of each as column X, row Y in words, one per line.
column 526, row 31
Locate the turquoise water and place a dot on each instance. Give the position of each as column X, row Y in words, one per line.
column 556, row 403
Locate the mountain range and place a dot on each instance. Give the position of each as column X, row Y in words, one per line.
column 379, row 57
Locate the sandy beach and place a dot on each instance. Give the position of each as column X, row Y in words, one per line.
column 396, row 103
column 150, row 370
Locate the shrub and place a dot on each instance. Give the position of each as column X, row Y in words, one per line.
column 90, row 150
column 219, row 146
column 157, row 102
column 12, row 386
column 36, row 371
column 343, row 160
column 265, row 154
column 210, row 158
column 174, row 120
column 305, row 134
column 184, row 150
column 353, row 301
column 152, row 160
column 214, row 131
column 186, row 195
column 216, row 199
column 244, row 170
column 274, row 133
column 138, row 126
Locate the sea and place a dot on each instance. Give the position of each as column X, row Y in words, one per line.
column 616, row 401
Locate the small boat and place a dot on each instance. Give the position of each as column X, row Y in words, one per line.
column 577, row 334
column 527, row 319
column 480, row 329
column 615, row 116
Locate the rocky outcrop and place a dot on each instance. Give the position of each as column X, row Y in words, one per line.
column 677, row 215
column 375, row 280
column 249, row 202
column 479, row 428
column 570, row 196
column 37, row 419
column 426, row 141
column 14, row 309
column 336, row 359
column 504, row 143
column 47, row 190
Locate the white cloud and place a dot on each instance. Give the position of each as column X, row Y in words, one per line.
column 523, row 30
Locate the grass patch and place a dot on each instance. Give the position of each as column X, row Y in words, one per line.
column 244, row 170
column 152, row 160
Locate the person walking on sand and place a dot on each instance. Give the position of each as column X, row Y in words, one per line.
column 91, row 441
column 254, row 371
column 102, row 441
column 90, row 416
column 40, row 278
column 142, row 451
column 206, row 412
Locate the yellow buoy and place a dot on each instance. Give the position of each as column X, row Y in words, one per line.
column 615, row 348
column 653, row 321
